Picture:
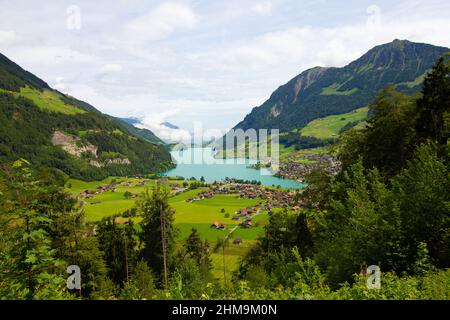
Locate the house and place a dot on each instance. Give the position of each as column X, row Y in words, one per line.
column 235, row 218
column 247, row 223
column 237, row 241
column 218, row 226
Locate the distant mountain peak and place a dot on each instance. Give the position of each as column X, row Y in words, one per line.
column 320, row 92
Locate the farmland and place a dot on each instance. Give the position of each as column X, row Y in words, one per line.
column 199, row 215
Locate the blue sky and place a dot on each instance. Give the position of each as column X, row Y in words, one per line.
column 196, row 60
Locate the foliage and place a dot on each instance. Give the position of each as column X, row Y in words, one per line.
column 157, row 234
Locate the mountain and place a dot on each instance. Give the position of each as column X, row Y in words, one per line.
column 320, row 92
column 130, row 124
column 169, row 125
column 64, row 136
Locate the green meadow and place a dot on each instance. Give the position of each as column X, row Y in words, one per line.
column 199, row 215
column 329, row 127
column 46, row 100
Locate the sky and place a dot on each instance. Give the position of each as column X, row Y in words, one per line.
column 195, row 60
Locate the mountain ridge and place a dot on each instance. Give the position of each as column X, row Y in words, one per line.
column 324, row 91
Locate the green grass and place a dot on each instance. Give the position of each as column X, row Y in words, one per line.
column 111, row 202
column 202, row 214
column 233, row 254
column 330, row 126
column 199, row 215
column 333, row 90
column 419, row 80
column 46, row 100
column 365, row 68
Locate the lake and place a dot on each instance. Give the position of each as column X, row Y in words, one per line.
column 200, row 162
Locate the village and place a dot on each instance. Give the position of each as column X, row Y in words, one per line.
column 295, row 170
column 271, row 199
column 112, row 187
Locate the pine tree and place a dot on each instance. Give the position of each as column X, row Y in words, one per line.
column 435, row 104
column 157, row 230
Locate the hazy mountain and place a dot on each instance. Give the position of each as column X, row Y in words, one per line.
column 169, row 125
column 320, row 92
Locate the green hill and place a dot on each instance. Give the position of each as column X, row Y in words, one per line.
column 320, row 92
column 332, row 126
column 65, row 136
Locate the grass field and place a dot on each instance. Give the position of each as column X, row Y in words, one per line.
column 199, row 215
column 330, row 126
column 46, row 100
column 333, row 90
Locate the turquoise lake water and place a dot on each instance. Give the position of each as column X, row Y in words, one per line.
column 200, row 162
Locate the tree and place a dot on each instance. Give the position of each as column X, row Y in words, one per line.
column 317, row 194
column 118, row 245
column 30, row 268
column 422, row 191
column 434, row 104
column 157, row 230
column 390, row 136
column 75, row 243
column 363, row 228
column 198, row 251
column 141, row 284
column 127, row 195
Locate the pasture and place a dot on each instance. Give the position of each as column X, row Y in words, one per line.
column 329, row 127
column 199, row 215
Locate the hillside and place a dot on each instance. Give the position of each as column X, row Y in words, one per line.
column 320, row 92
column 332, row 126
column 66, row 136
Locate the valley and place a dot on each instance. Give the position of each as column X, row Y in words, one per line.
column 144, row 220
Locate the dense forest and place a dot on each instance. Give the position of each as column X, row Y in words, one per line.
column 388, row 207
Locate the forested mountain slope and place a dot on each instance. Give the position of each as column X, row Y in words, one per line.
column 319, row 92
column 66, row 136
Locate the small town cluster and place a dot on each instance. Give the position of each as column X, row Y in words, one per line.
column 295, row 170
column 271, row 198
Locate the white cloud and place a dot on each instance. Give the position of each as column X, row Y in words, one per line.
column 153, row 123
column 298, row 48
column 210, row 60
column 7, row 37
column 111, row 68
column 263, row 8
column 162, row 21
column 51, row 55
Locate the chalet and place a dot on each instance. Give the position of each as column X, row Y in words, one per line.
column 218, row 226
column 247, row 223
column 88, row 194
